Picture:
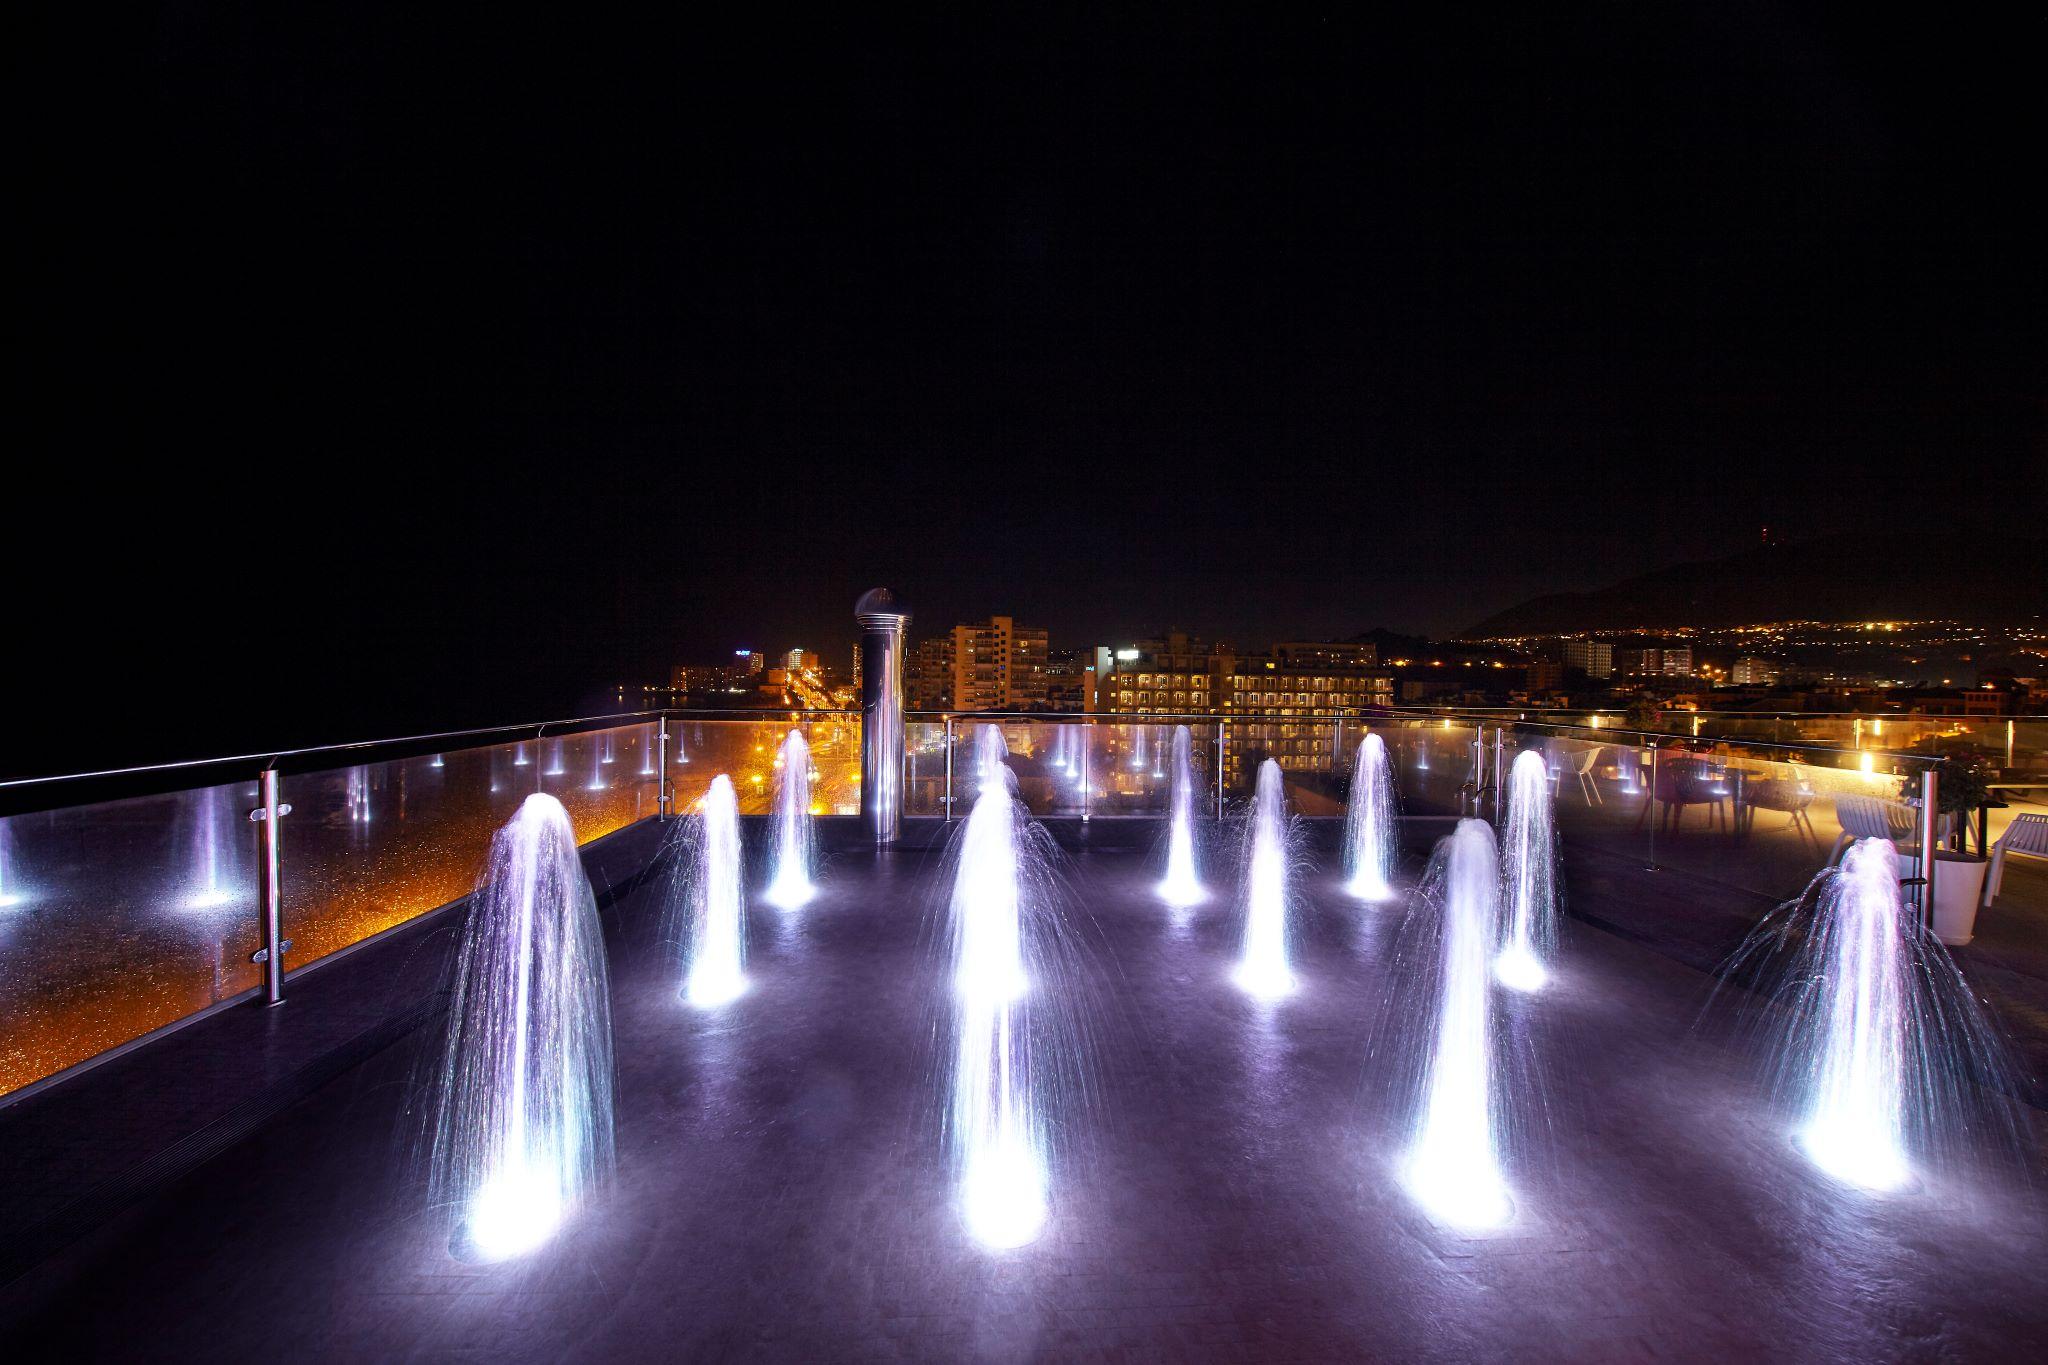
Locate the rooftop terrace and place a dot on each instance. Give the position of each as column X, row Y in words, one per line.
column 246, row 1181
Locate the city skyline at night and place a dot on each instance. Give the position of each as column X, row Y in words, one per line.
column 1290, row 327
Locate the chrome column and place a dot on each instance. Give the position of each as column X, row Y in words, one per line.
column 882, row 619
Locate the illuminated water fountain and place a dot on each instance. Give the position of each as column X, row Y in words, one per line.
column 1070, row 754
column 1626, row 765
column 356, row 796
column 519, row 757
column 212, row 857
column 599, row 757
column 991, row 755
column 1183, row 883
column 10, row 891
column 1369, row 823
column 1264, row 968
column 1529, row 863
column 1881, row 1049
column 792, row 886
column 1452, row 1167
column 1855, row 1119
column 555, row 768
column 522, row 1119
column 715, row 928
column 996, row 1130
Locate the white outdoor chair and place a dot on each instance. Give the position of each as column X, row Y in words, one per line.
column 1871, row 817
column 2027, row 835
column 1583, row 770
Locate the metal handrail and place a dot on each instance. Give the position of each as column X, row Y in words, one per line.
column 1747, row 715
column 1181, row 717
column 272, row 756
column 22, row 794
column 1844, row 715
column 1382, row 713
column 1930, row 760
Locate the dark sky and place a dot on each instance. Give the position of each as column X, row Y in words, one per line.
column 443, row 370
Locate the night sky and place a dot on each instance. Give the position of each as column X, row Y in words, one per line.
column 449, row 371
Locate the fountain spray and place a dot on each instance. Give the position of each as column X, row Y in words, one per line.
column 522, row 1122
column 1263, row 970
column 1452, row 1166
column 792, row 887
column 1369, row 823
column 1183, row 884
column 995, row 1127
column 1530, row 866
column 716, row 930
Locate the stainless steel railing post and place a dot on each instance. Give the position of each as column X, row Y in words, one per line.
column 1930, row 836
column 661, row 770
column 946, row 801
column 1222, row 738
column 270, row 887
column 1087, row 743
column 1500, row 771
column 1650, row 797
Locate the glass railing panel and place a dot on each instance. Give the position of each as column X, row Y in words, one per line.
column 369, row 847
column 1130, row 768
column 1757, row 817
column 1306, row 750
column 1065, row 767
column 925, row 768
column 746, row 750
column 1056, row 762
column 119, row 918
column 1058, row 766
column 1432, row 760
column 1765, row 819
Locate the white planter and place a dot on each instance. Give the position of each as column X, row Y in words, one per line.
column 1958, row 886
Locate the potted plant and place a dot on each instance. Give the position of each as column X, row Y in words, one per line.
column 1965, row 776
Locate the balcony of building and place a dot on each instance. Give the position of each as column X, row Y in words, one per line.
column 193, row 1173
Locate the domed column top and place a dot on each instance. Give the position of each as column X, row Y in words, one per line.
column 881, row 609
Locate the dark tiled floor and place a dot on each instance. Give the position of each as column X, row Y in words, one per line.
column 782, row 1191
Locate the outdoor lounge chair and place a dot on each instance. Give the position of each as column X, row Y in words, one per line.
column 1787, row 794
column 2027, row 836
column 1871, row 817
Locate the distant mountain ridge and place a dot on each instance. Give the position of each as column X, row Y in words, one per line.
column 1861, row 576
